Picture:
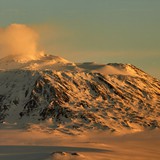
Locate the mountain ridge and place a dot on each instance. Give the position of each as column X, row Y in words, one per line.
column 77, row 97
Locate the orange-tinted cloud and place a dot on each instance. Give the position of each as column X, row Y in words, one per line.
column 18, row 39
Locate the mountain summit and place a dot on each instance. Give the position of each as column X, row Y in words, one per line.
column 37, row 62
column 51, row 62
column 71, row 97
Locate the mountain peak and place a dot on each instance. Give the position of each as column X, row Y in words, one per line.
column 19, row 58
column 50, row 62
column 33, row 62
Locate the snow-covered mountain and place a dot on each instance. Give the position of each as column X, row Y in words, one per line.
column 70, row 97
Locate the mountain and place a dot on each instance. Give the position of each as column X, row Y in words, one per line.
column 71, row 97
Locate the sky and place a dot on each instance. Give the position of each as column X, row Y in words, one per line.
column 103, row 31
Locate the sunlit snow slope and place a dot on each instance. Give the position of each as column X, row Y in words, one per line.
column 75, row 97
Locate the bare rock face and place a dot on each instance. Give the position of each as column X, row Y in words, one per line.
column 79, row 96
column 66, row 156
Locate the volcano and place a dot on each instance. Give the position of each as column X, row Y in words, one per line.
column 53, row 92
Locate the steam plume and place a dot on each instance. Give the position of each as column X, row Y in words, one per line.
column 18, row 39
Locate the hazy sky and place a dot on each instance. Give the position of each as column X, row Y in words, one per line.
column 104, row 31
